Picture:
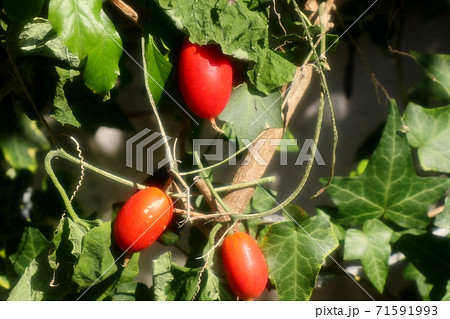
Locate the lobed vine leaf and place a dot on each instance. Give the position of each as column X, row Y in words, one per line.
column 430, row 255
column 372, row 247
column 63, row 113
column 99, row 264
column 389, row 186
column 172, row 281
column 30, row 246
column 429, row 132
column 250, row 114
column 38, row 38
column 295, row 255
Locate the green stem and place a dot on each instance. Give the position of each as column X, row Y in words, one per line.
column 205, row 177
column 264, row 180
column 172, row 162
column 67, row 203
column 63, row 154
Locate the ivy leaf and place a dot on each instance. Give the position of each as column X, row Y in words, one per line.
column 436, row 67
column 250, row 114
column 158, row 68
column 97, row 264
column 389, row 186
column 239, row 31
column 447, row 294
column 424, row 288
column 294, row 258
column 63, row 114
column 430, row 133
column 30, row 246
column 371, row 246
column 443, row 219
column 20, row 139
column 22, row 10
column 430, row 255
column 102, row 67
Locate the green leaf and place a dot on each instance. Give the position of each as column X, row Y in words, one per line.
column 251, row 114
column 371, row 246
column 389, row 186
column 63, row 114
column 88, row 32
column 30, row 246
column 102, row 67
column 429, row 131
column 36, row 282
column 287, row 142
column 22, row 10
column 447, row 295
column 20, row 139
column 443, row 219
column 295, row 255
column 268, row 66
column 172, row 281
column 262, row 200
column 131, row 291
column 97, row 264
column 430, row 255
column 158, row 68
column 295, row 213
column 424, row 288
column 436, row 67
column 38, row 38
column 239, row 31
column 76, row 22
column 24, row 290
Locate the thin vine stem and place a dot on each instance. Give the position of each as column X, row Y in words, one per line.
column 63, row 154
column 48, row 167
column 210, row 186
column 233, row 187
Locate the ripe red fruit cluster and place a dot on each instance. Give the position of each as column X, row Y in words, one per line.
column 245, row 266
column 142, row 219
column 205, row 79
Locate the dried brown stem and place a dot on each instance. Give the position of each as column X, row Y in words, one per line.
column 126, row 10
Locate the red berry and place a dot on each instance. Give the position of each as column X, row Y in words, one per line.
column 205, row 79
column 142, row 219
column 245, row 266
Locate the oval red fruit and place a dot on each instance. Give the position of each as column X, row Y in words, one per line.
column 205, row 78
column 142, row 219
column 245, row 266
